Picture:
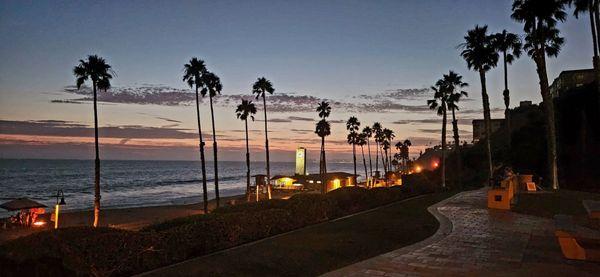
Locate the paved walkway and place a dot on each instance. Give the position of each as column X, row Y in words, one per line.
column 473, row 240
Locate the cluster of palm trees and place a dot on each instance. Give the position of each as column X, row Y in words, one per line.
column 542, row 39
column 204, row 82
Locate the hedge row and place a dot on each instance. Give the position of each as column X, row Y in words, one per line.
column 113, row 252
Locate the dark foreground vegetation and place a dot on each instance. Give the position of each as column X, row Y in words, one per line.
column 112, row 252
column 323, row 247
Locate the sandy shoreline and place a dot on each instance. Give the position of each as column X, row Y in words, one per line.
column 133, row 218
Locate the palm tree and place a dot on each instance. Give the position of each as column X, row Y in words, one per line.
column 480, row 54
column 243, row 111
column 324, row 111
column 368, row 132
column 398, row 156
column 543, row 38
column 378, row 134
column 388, row 136
column 454, row 84
column 591, row 6
column 212, row 85
column 509, row 45
column 405, row 153
column 323, row 129
column 99, row 72
column 261, row 87
column 352, row 126
column 361, row 140
column 439, row 104
column 193, row 72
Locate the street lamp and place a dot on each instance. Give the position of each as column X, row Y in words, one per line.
column 60, row 194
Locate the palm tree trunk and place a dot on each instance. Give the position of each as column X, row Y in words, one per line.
column 202, row 162
column 488, row 127
column 506, row 95
column 267, row 147
column 324, row 159
column 457, row 148
column 247, row 162
column 215, row 160
column 354, row 157
column 376, row 156
column 370, row 163
column 444, row 119
column 595, row 23
column 364, row 163
column 540, row 60
column 96, row 163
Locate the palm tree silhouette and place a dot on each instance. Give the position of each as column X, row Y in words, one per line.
column 480, row 54
column 453, row 83
column 352, row 126
column 193, row 72
column 243, row 111
column 99, row 72
column 368, row 132
column 439, row 104
column 361, row 140
column 212, row 86
column 504, row 43
column 388, row 136
column 378, row 136
column 260, row 88
column 323, row 130
column 405, row 153
column 543, row 38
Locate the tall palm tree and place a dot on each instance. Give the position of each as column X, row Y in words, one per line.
column 454, row 84
column 439, row 104
column 510, row 46
column 324, row 111
column 361, row 141
column 398, row 156
column 243, row 111
column 193, row 72
column 377, row 131
column 543, row 38
column 368, row 132
column 260, row 88
column 405, row 153
column 593, row 8
column 212, row 86
column 388, row 136
column 99, row 72
column 480, row 54
column 322, row 130
column 352, row 126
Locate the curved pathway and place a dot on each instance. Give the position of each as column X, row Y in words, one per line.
column 473, row 240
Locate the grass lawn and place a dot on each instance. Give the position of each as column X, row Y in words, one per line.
column 321, row 248
column 567, row 202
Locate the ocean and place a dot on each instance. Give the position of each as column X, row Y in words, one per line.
column 130, row 183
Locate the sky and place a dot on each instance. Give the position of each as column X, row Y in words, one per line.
column 371, row 59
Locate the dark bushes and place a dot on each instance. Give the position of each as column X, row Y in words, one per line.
column 112, row 252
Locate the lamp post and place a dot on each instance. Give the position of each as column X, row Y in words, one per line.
column 60, row 194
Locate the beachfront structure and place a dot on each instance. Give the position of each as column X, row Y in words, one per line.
column 571, row 79
column 301, row 161
column 479, row 128
column 315, row 182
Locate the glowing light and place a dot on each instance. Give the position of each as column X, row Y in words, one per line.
column 418, row 169
column 435, row 164
column 39, row 223
column 336, row 184
column 56, row 211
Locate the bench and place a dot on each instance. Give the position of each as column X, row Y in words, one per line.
column 572, row 246
column 593, row 208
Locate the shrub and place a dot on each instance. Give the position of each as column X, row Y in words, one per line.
column 107, row 251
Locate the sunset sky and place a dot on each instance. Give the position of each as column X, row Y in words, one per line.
column 371, row 59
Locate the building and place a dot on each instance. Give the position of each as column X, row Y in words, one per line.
column 479, row 128
column 301, row 161
column 328, row 181
column 571, row 79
